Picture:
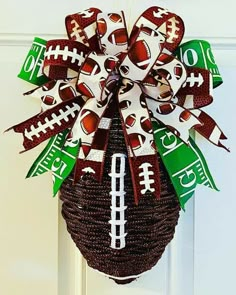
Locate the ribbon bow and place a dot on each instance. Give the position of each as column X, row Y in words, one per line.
column 100, row 69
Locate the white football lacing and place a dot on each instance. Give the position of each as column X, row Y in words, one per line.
column 147, row 181
column 193, row 80
column 65, row 53
column 118, row 202
column 172, row 25
column 78, row 33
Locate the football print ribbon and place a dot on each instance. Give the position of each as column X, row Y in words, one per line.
column 100, row 69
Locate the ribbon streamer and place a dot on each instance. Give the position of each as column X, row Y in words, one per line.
column 59, row 156
column 186, row 164
column 100, row 68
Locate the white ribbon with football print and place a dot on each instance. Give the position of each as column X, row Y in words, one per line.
column 112, row 33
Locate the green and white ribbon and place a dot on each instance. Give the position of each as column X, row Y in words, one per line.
column 198, row 53
column 59, row 156
column 32, row 69
column 185, row 164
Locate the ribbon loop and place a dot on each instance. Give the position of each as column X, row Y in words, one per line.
column 142, row 55
column 171, row 69
column 63, row 58
column 168, row 24
column 94, row 76
column 81, row 27
column 112, row 33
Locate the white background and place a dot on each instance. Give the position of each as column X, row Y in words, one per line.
column 36, row 255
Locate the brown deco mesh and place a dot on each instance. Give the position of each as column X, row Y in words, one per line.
column 150, row 225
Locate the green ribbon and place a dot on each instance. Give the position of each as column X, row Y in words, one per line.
column 31, row 70
column 198, row 53
column 185, row 164
column 59, row 156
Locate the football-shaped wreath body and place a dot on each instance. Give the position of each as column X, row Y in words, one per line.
column 118, row 238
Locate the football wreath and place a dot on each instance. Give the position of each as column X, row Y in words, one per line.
column 116, row 111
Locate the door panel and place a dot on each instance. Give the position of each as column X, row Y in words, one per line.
column 28, row 214
column 215, row 217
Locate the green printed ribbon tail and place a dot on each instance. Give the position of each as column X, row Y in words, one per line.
column 59, row 156
column 198, row 53
column 185, row 164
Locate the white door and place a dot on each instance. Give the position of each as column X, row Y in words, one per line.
column 36, row 254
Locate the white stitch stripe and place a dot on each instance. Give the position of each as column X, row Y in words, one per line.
column 50, row 123
column 65, row 53
column 118, row 207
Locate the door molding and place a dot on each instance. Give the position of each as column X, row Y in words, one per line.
column 15, row 39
